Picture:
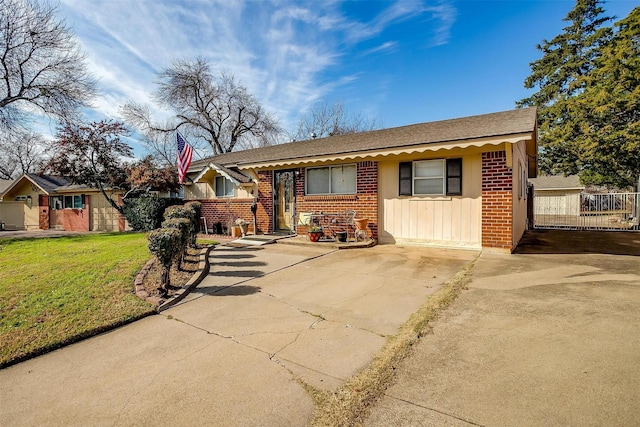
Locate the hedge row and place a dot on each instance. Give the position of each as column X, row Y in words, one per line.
column 146, row 213
column 169, row 243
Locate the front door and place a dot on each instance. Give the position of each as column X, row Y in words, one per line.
column 284, row 201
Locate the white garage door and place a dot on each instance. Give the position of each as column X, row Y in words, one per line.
column 104, row 217
column 12, row 214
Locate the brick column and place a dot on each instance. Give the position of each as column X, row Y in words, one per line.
column 497, row 203
column 264, row 214
column 367, row 206
column 43, row 211
column 122, row 221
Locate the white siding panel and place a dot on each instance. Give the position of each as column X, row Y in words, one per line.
column 437, row 221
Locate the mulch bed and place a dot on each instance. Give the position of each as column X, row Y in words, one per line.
column 178, row 276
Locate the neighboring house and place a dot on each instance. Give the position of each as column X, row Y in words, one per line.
column 34, row 202
column 557, row 195
column 453, row 183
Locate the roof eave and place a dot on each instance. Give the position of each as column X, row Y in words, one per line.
column 385, row 152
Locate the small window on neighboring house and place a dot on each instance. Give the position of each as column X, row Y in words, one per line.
column 73, row 202
column 331, row 180
column 224, row 187
column 56, row 203
column 431, row 177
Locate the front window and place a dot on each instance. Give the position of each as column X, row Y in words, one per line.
column 224, row 187
column 331, row 180
column 431, row 177
column 57, row 203
column 428, row 177
column 73, row 202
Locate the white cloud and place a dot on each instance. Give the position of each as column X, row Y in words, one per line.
column 281, row 50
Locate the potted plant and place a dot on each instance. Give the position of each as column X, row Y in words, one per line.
column 244, row 226
column 315, row 233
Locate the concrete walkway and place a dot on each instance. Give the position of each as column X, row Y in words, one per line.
column 548, row 336
column 237, row 349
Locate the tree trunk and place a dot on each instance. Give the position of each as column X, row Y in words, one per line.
column 165, row 279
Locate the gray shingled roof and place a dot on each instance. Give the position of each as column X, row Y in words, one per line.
column 48, row 183
column 553, row 182
column 4, row 184
column 486, row 125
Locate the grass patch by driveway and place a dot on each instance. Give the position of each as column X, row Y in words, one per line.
column 56, row 290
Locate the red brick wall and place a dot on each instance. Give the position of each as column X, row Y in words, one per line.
column 43, row 209
column 364, row 202
column 76, row 219
column 227, row 211
column 264, row 214
column 122, row 221
column 497, row 203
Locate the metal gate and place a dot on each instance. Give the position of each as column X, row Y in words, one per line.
column 585, row 211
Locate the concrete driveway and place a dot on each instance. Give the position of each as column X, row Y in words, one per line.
column 236, row 351
column 548, row 336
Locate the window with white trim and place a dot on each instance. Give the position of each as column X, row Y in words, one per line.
column 224, row 187
column 431, row 177
column 331, row 180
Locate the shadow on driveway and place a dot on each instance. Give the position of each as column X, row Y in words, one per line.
column 580, row 242
column 236, row 290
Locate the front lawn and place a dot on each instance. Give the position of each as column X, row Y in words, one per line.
column 56, row 290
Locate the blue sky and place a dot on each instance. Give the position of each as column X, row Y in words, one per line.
column 401, row 62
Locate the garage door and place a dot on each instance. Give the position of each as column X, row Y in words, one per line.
column 103, row 216
column 12, row 214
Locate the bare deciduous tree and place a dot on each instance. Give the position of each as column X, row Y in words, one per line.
column 43, row 69
column 20, row 152
column 327, row 120
column 215, row 109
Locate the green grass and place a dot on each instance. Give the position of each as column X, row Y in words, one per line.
column 55, row 291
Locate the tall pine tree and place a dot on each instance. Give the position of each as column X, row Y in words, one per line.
column 609, row 110
column 559, row 78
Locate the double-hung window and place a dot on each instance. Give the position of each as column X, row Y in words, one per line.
column 431, row 177
column 224, row 187
column 331, row 180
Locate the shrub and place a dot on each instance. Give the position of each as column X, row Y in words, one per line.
column 145, row 213
column 185, row 212
column 165, row 245
column 177, row 211
column 183, row 225
column 196, row 213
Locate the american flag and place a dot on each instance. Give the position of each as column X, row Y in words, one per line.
column 185, row 152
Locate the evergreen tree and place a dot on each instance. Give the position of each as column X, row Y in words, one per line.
column 608, row 110
column 559, row 78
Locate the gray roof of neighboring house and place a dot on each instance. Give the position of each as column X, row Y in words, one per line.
column 486, row 125
column 4, row 184
column 556, row 182
column 48, row 183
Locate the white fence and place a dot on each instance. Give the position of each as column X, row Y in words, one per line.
column 612, row 211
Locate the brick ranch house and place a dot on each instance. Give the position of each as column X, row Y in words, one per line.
column 455, row 183
column 33, row 202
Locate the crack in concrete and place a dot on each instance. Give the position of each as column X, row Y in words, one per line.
column 473, row 423
column 273, row 357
